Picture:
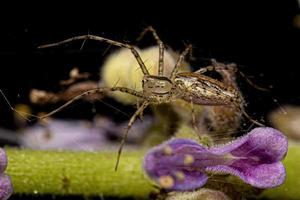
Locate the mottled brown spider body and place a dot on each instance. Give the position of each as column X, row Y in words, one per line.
column 199, row 89
column 158, row 89
column 204, row 90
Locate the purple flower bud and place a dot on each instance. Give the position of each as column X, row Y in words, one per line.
column 80, row 134
column 6, row 188
column 181, row 164
column 64, row 134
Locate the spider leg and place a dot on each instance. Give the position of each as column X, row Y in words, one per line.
column 193, row 116
column 219, row 113
column 22, row 114
column 93, row 91
column 88, row 92
column 228, row 72
column 160, row 45
column 232, row 69
column 179, row 61
column 131, row 121
column 250, row 118
column 138, row 106
column 216, row 66
column 102, row 39
column 42, row 97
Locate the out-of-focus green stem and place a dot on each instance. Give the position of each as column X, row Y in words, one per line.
column 291, row 188
column 77, row 173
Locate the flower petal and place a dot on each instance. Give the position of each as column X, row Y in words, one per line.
column 267, row 144
column 265, row 139
column 266, row 175
column 261, row 176
column 255, row 158
column 3, row 160
column 172, row 165
column 180, row 164
column 6, row 188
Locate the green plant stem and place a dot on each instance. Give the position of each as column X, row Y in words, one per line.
column 77, row 173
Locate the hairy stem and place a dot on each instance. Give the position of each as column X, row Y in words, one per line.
column 77, row 173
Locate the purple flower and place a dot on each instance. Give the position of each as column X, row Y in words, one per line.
column 181, row 164
column 63, row 134
column 6, row 188
column 80, row 134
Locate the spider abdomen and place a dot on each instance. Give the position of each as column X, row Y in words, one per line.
column 204, row 90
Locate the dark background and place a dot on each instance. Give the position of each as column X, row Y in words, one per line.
column 257, row 35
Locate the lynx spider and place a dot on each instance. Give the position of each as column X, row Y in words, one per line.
column 191, row 87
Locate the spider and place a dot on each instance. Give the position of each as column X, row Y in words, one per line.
column 194, row 88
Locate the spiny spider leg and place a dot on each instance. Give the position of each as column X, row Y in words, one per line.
column 141, row 114
column 253, row 84
column 98, row 38
column 92, row 91
column 161, row 47
column 248, row 117
column 193, row 116
column 216, row 66
column 227, row 71
column 121, row 89
column 88, row 92
column 179, row 61
column 131, row 121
